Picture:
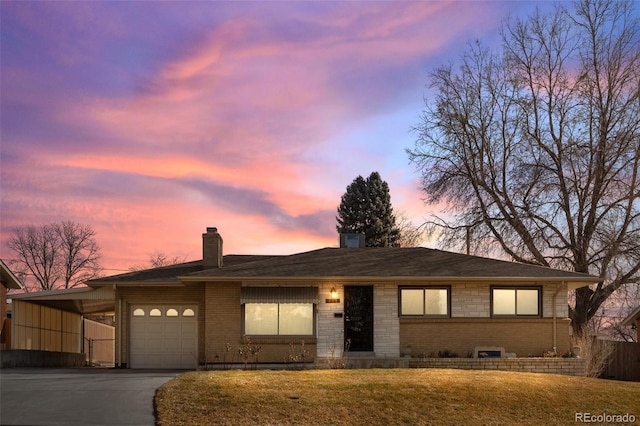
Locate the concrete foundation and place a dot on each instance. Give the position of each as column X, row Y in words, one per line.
column 18, row 358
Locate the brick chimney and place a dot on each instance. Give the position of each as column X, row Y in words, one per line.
column 211, row 249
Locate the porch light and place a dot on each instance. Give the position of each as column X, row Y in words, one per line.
column 334, row 293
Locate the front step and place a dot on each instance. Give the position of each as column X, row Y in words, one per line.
column 360, row 354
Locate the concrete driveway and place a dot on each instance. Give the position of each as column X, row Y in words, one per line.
column 82, row 396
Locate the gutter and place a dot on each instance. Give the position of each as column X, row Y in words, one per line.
column 119, row 329
column 577, row 282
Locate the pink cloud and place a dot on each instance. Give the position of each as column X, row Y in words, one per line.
column 239, row 126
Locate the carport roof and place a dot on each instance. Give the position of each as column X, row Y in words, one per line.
column 82, row 300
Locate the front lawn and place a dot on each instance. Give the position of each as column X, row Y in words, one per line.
column 393, row 396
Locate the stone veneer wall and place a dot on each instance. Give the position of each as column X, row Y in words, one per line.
column 566, row 366
column 386, row 337
column 386, row 324
column 330, row 330
column 473, row 300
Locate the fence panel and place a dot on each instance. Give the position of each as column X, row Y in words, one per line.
column 99, row 343
column 624, row 363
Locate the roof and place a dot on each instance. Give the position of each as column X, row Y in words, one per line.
column 170, row 274
column 389, row 262
column 350, row 264
column 9, row 280
column 83, row 300
column 632, row 318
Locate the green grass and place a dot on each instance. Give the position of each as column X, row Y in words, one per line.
column 389, row 397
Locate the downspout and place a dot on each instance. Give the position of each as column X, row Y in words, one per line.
column 555, row 318
column 119, row 329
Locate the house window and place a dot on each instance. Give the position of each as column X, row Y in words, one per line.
column 278, row 319
column 138, row 312
column 188, row 313
column 524, row 301
column 424, row 301
column 172, row 312
column 279, row 311
column 155, row 313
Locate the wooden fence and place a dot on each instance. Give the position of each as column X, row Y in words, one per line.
column 624, row 363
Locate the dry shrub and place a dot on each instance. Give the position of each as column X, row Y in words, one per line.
column 595, row 352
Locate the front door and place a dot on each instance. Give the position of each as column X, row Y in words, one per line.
column 358, row 318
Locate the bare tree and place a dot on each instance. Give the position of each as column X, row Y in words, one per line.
column 80, row 252
column 410, row 234
column 55, row 252
column 158, row 259
column 536, row 148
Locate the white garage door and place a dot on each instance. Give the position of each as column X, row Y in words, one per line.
column 163, row 336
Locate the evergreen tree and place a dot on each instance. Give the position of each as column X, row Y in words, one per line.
column 366, row 208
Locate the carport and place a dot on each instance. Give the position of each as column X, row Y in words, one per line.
column 53, row 328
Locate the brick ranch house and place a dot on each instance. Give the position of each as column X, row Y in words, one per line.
column 381, row 303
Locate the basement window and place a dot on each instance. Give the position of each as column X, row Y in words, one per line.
column 516, row 302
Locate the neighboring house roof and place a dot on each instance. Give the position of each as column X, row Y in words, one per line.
column 9, row 280
column 400, row 264
column 632, row 318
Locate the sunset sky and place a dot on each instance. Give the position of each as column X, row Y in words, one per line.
column 150, row 121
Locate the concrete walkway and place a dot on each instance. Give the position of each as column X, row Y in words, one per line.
column 83, row 396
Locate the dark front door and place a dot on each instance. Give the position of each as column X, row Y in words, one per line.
column 358, row 318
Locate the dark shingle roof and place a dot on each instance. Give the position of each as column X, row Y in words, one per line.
column 172, row 272
column 350, row 263
column 385, row 262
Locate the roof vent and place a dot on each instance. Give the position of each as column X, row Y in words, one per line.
column 352, row 240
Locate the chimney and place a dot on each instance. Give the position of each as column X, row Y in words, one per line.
column 211, row 249
column 352, row 240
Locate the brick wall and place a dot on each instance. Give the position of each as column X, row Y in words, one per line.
column 223, row 324
column 223, row 320
column 524, row 337
column 192, row 294
column 566, row 366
